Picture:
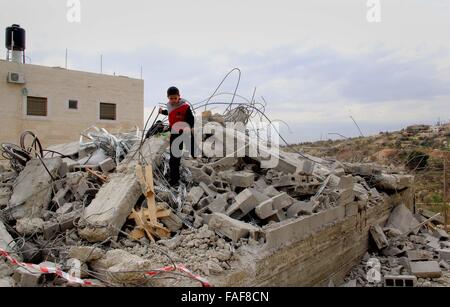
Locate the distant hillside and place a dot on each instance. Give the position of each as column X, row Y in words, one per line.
column 416, row 150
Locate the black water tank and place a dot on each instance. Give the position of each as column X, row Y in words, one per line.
column 16, row 32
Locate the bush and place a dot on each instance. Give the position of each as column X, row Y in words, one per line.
column 417, row 160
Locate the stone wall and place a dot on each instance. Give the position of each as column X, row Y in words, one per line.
column 320, row 254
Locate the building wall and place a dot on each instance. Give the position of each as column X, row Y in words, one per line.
column 62, row 125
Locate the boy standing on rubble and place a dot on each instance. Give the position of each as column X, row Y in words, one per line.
column 180, row 118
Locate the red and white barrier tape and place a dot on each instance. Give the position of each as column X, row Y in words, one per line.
column 72, row 279
column 44, row 269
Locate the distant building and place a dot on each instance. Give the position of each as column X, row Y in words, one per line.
column 57, row 104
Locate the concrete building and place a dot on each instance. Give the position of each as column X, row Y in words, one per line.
column 57, row 104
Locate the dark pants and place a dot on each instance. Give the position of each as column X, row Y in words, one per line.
column 174, row 162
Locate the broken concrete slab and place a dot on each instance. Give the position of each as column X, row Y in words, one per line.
column 93, row 159
column 151, row 150
column 195, row 194
column 229, row 227
column 402, row 219
column 425, row 269
column 86, row 253
column 27, row 226
column 393, row 182
column 379, row 237
column 110, row 208
column 122, row 267
column 33, row 188
column 218, row 204
column 60, row 197
column 107, row 165
column 243, row 179
column 67, row 149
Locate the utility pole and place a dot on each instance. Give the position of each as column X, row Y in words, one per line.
column 445, row 154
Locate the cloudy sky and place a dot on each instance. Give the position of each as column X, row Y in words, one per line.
column 316, row 62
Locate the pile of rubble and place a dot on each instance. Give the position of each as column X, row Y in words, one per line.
column 103, row 211
column 409, row 251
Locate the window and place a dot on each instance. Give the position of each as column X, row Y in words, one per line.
column 73, row 104
column 36, row 106
column 108, row 111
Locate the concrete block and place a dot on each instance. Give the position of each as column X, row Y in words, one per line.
column 401, row 281
column 432, row 242
column 207, row 190
column 334, row 214
column 444, row 254
column 71, row 164
column 317, row 221
column 265, row 209
column 60, row 197
column 172, row 222
column 282, row 201
column 271, row 191
column 419, row 255
column 300, row 207
column 287, row 232
column 346, row 182
column 441, row 234
column 286, row 167
column 346, row 197
column 243, row 179
column 379, row 237
column 107, row 165
column 111, row 207
column 198, row 175
column 306, row 167
column 425, row 269
column 402, row 219
column 63, row 170
column 229, row 227
column 445, row 265
column 81, row 189
column 351, row 209
column 27, row 277
column 246, row 201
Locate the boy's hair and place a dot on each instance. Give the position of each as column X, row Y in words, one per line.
column 173, row 91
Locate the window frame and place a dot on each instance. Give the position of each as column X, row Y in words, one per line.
column 100, row 112
column 33, row 115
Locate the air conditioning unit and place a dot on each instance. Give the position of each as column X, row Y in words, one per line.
column 14, row 77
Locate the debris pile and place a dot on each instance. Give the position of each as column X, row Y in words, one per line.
column 409, row 251
column 102, row 209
